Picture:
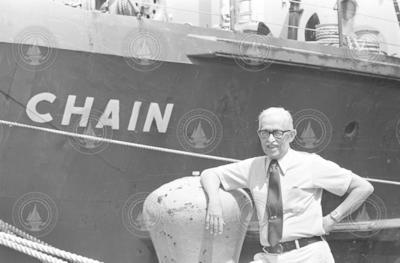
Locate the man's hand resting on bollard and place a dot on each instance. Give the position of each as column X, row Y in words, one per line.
column 214, row 220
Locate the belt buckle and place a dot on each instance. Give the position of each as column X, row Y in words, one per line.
column 277, row 249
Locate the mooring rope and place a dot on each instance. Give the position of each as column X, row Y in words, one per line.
column 5, row 227
column 28, row 251
column 137, row 145
column 47, row 249
column 12, row 237
column 149, row 147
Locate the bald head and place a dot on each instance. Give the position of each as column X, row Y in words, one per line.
column 277, row 112
column 272, row 120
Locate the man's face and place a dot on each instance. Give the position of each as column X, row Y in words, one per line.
column 276, row 148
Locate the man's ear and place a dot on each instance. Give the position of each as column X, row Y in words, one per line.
column 292, row 134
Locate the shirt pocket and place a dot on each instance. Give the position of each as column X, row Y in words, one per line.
column 296, row 199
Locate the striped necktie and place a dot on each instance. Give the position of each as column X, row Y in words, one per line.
column 274, row 204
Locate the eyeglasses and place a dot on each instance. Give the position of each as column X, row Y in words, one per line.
column 278, row 134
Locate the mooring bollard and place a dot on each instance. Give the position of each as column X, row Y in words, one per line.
column 174, row 214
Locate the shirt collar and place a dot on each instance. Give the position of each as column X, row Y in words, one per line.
column 286, row 160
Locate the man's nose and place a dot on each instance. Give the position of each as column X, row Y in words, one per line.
column 270, row 137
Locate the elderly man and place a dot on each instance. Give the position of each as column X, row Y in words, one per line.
column 286, row 186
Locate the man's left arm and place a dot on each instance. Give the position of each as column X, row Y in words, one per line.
column 358, row 191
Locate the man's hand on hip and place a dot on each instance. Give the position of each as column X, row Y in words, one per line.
column 214, row 220
column 328, row 223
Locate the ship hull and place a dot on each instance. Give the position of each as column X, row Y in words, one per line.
column 90, row 189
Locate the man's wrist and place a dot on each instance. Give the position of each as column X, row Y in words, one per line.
column 214, row 199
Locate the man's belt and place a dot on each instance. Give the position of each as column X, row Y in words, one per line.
column 290, row 245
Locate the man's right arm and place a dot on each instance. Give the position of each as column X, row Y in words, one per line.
column 230, row 176
column 214, row 217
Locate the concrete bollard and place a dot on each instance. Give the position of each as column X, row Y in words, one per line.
column 174, row 214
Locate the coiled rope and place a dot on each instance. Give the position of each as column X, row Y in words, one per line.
column 16, row 239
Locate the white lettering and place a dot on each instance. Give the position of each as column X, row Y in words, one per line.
column 31, row 107
column 70, row 109
column 154, row 113
column 110, row 116
column 134, row 115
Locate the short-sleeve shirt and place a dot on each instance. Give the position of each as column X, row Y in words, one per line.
column 303, row 177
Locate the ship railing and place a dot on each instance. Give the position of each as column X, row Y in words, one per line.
column 236, row 15
column 92, row 5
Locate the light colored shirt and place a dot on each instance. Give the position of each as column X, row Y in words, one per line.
column 303, row 177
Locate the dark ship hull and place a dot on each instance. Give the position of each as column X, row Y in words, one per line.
column 197, row 96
